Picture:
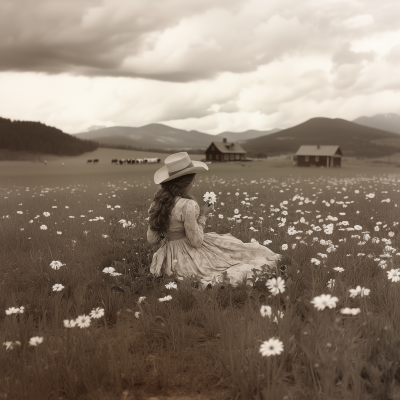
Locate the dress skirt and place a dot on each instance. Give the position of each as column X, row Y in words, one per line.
column 218, row 253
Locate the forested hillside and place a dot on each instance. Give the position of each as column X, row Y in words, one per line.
column 36, row 137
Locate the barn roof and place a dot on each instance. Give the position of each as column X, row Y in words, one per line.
column 229, row 147
column 318, row 151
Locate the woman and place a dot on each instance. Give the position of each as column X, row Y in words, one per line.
column 177, row 221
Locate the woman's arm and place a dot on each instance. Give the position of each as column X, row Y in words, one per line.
column 153, row 237
column 193, row 228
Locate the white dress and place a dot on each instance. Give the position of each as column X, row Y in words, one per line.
column 205, row 255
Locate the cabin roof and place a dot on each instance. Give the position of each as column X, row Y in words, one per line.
column 229, row 147
column 318, row 151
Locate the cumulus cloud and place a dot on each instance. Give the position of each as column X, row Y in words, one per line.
column 209, row 65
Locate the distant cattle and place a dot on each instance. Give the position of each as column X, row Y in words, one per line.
column 45, row 162
column 114, row 161
column 89, row 161
column 152, row 160
column 96, row 160
column 62, row 164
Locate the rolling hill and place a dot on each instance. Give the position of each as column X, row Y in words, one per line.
column 163, row 136
column 35, row 137
column 386, row 122
column 354, row 139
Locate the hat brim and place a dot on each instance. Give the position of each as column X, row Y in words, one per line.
column 162, row 174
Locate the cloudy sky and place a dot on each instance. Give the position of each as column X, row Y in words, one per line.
column 209, row 65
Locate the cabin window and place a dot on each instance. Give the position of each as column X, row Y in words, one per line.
column 316, row 158
column 211, row 156
column 237, row 156
column 307, row 158
column 217, row 156
column 226, row 156
column 232, row 156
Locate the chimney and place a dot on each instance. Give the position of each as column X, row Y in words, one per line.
column 224, row 140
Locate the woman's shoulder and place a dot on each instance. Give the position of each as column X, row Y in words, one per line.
column 184, row 202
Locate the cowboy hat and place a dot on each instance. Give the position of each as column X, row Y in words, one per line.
column 177, row 165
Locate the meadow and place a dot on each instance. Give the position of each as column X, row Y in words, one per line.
column 82, row 317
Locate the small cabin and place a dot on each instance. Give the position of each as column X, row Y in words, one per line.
column 318, row 156
column 225, row 151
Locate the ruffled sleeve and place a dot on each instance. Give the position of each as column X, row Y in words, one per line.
column 193, row 224
column 152, row 237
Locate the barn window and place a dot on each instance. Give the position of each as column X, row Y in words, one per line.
column 237, row 156
column 307, row 158
column 316, row 158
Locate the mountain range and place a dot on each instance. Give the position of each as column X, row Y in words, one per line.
column 365, row 136
column 163, row 136
column 353, row 139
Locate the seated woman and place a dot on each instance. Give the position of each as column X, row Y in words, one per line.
column 177, row 222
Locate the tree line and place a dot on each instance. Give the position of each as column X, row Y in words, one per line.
column 36, row 137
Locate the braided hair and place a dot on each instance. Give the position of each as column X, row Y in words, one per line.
column 164, row 201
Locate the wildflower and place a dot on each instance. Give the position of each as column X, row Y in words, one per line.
column 352, row 311
column 210, row 197
column 276, row 285
column 357, row 227
column 284, row 247
column 166, row 298
column 315, row 261
column 83, row 321
column 220, row 216
column 115, row 274
column 108, row 270
column 141, row 299
column 105, row 236
column 43, row 227
column 359, row 291
column 15, row 310
column 323, row 301
column 391, row 234
column 137, row 314
column 10, row 345
column 20, row 212
column 56, row 264
column 266, row 242
column 57, row 287
column 171, row 285
column 331, row 283
column 271, row 347
column 69, row 323
column 97, row 313
column 35, row 341
column 339, row 269
column 266, row 311
column 46, row 214
column 236, row 211
column 394, row 275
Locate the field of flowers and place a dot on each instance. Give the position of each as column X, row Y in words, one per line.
column 83, row 319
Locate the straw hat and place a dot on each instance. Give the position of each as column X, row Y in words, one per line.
column 176, row 165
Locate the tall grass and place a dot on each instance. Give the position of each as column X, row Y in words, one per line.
column 203, row 340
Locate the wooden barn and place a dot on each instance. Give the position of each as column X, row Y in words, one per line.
column 318, row 156
column 225, row 151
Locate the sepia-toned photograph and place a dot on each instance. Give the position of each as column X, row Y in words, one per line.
column 199, row 200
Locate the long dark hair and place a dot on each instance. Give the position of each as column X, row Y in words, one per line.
column 164, row 201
